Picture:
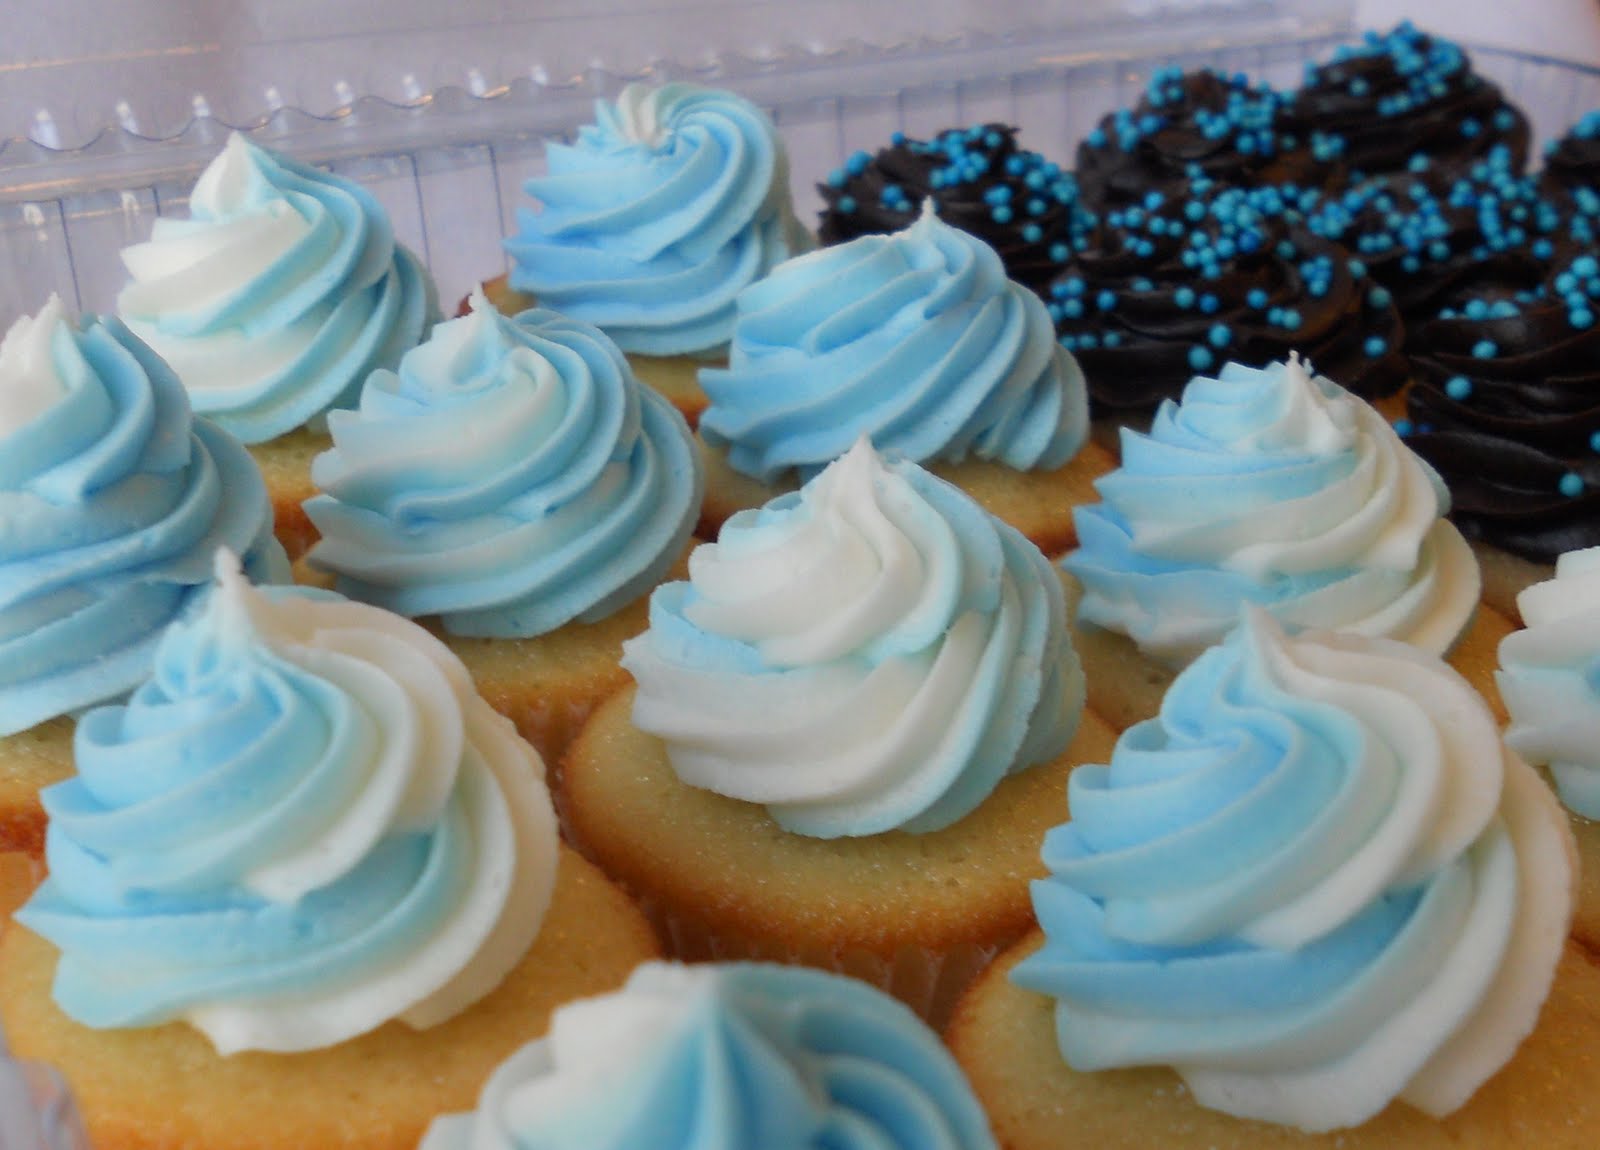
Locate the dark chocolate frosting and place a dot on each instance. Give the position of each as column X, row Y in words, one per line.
column 1506, row 406
column 1377, row 104
column 1180, row 285
column 1572, row 164
column 1022, row 205
column 1191, row 123
column 1488, row 232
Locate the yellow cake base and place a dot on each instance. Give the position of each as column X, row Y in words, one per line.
column 1037, row 503
column 1547, row 1097
column 285, row 464
column 29, row 762
column 165, row 1088
column 726, row 881
column 549, row 684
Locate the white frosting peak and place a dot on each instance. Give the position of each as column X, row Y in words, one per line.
column 30, row 383
column 639, row 113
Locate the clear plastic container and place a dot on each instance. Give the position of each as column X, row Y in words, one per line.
column 36, row 1109
column 448, row 160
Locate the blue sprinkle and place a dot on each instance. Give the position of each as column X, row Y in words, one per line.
column 1594, row 442
column 1375, row 346
column 857, row 163
column 1199, row 358
column 1379, row 297
column 1032, row 234
column 1581, row 320
column 1194, row 211
column 1184, row 297
column 1485, row 349
column 1542, row 249
column 1073, row 308
column 1477, row 309
column 1290, row 319
column 1357, row 269
column 1257, row 298
column 846, row 204
column 1001, row 215
column 1220, row 336
column 897, row 138
column 1572, row 485
column 1036, row 207
column 1209, row 304
column 837, row 178
column 1111, row 339
column 1106, row 300
column 1059, row 253
column 1458, row 387
column 1586, row 266
column 1403, row 427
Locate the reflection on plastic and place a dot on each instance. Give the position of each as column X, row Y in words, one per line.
column 36, row 1109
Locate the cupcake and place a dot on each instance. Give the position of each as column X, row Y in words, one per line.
column 513, row 482
column 979, row 180
column 1548, row 680
column 114, row 498
column 1184, row 282
column 737, row 1057
column 1504, row 406
column 845, row 728
column 273, row 301
column 1378, row 105
column 1276, row 488
column 918, row 341
column 326, row 902
column 1321, row 890
column 1187, row 125
column 652, row 221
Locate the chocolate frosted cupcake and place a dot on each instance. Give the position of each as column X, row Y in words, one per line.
column 1189, row 123
column 1506, row 408
column 1019, row 203
column 1488, row 230
column 1378, row 104
column 1177, row 285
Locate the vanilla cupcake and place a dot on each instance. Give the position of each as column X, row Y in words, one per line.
column 918, row 341
column 1322, row 891
column 846, row 726
column 513, row 482
column 1276, row 488
column 113, row 498
column 652, row 221
column 306, row 889
column 768, row 1057
column 1550, row 681
column 273, row 301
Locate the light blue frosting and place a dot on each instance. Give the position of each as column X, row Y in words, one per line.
column 754, row 1057
column 112, row 501
column 651, row 223
column 342, row 300
column 237, row 754
column 916, row 339
column 1276, row 488
column 511, row 477
column 789, row 659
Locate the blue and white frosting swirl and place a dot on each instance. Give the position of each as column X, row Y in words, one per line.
column 1315, row 883
column 511, row 477
column 674, row 200
column 1549, row 678
column 278, row 295
column 916, row 340
column 1275, row 488
column 304, row 825
column 870, row 653
column 112, row 499
column 734, row 1057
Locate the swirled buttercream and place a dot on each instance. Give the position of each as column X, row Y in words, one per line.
column 1549, row 678
column 1316, row 883
column 304, row 825
column 112, row 499
column 512, row 476
column 1276, row 488
column 871, row 652
column 916, row 340
column 277, row 295
column 653, row 220
column 735, row 1057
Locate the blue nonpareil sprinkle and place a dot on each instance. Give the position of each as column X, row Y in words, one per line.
column 1200, row 358
column 1184, row 297
column 1458, row 387
column 1571, row 485
column 1403, row 427
column 1257, row 298
column 1219, row 335
column 846, row 204
column 1375, row 346
column 1485, row 349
